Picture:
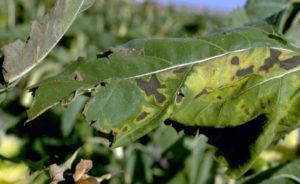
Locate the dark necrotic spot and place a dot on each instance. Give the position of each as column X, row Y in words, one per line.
column 235, row 60
column 103, row 84
column 104, row 54
column 151, row 88
column 290, row 63
column 219, row 97
column 245, row 71
column 179, row 97
column 271, row 61
column 202, row 92
column 142, row 116
column 125, row 129
column 179, row 71
column 247, row 111
column 76, row 76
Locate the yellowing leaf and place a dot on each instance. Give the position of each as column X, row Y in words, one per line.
column 239, row 88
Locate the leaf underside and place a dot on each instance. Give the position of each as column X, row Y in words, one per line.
column 239, row 88
column 20, row 57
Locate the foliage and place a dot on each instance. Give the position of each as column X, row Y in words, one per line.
column 194, row 84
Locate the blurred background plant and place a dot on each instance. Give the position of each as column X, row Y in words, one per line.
column 163, row 156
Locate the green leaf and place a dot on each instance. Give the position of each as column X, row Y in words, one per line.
column 20, row 57
column 275, row 11
column 258, row 10
column 285, row 173
column 238, row 17
column 209, row 83
column 70, row 116
column 199, row 164
column 291, row 30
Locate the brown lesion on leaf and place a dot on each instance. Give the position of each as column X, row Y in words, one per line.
column 124, row 128
column 76, row 76
column 180, row 70
column 245, row 71
column 142, row 116
column 235, row 60
column 202, row 92
column 179, row 97
column 245, row 109
column 103, row 83
column 272, row 60
column 151, row 87
column 290, row 63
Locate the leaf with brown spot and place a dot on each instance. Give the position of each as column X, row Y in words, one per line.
column 222, row 72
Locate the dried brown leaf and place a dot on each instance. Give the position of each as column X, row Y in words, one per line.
column 82, row 168
column 57, row 173
column 20, row 57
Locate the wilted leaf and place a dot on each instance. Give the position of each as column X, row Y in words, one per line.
column 82, row 168
column 57, row 173
column 21, row 57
